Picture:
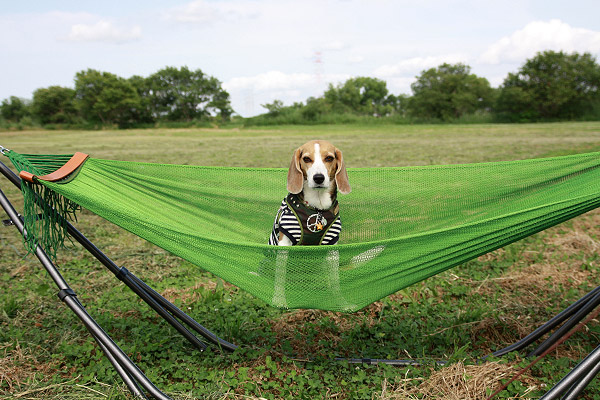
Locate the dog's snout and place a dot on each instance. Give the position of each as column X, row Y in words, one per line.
column 319, row 178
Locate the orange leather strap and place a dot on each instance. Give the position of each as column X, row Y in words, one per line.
column 75, row 162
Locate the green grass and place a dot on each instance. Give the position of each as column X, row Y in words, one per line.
column 460, row 315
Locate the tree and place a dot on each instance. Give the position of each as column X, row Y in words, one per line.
column 220, row 103
column 315, row 108
column 106, row 98
column 515, row 104
column 143, row 113
column 448, row 92
column 182, row 94
column 54, row 104
column 551, row 85
column 397, row 104
column 14, row 109
column 361, row 95
column 274, row 108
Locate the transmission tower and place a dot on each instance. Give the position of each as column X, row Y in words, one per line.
column 318, row 61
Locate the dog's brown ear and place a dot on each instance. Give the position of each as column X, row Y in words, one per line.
column 341, row 175
column 295, row 180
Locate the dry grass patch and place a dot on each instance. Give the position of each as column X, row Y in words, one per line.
column 293, row 327
column 343, row 322
column 565, row 259
column 18, row 368
column 577, row 241
column 579, row 236
column 566, row 249
column 529, row 280
column 525, row 308
column 190, row 294
column 456, row 382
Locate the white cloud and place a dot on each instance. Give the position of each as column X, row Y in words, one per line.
column 539, row 36
column 272, row 80
column 194, row 12
column 279, row 81
column 496, row 80
column 417, row 64
column 335, row 45
column 249, row 92
column 400, row 84
column 204, row 12
column 356, row 59
column 103, row 31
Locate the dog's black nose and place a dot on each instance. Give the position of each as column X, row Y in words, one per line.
column 319, row 178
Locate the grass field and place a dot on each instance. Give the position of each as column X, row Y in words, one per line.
column 459, row 316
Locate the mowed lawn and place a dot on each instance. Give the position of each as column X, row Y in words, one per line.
column 457, row 316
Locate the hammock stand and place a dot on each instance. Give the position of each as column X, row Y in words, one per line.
column 132, row 376
column 571, row 385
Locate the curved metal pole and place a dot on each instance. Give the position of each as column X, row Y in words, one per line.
column 584, row 310
column 575, row 390
column 67, row 295
column 548, row 326
column 580, row 371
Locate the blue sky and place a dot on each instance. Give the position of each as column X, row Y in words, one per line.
column 264, row 50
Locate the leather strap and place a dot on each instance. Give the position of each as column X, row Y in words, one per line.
column 75, row 162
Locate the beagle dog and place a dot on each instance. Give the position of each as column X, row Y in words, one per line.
column 309, row 215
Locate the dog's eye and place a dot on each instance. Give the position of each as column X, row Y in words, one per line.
column 306, row 159
column 328, row 159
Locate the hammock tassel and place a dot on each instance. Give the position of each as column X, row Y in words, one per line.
column 45, row 211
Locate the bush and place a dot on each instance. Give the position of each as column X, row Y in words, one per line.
column 551, row 86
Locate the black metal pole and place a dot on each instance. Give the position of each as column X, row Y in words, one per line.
column 129, row 381
column 221, row 343
column 67, row 295
column 575, row 390
column 10, row 175
column 584, row 310
column 582, row 370
column 115, row 350
column 396, row 363
column 145, row 292
column 548, row 326
column 151, row 297
column 162, row 312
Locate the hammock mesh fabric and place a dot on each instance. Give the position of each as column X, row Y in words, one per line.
column 400, row 225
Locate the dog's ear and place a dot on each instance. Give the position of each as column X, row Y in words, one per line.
column 295, row 179
column 341, row 175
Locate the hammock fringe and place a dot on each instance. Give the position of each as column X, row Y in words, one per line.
column 45, row 211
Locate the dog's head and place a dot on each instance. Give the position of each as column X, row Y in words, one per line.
column 319, row 165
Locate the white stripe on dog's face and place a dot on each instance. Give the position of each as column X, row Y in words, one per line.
column 318, row 168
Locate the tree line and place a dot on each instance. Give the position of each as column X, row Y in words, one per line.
column 550, row 86
column 102, row 98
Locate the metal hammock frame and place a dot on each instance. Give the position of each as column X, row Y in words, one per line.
column 570, row 387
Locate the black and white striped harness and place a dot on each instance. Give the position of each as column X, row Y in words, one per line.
column 305, row 225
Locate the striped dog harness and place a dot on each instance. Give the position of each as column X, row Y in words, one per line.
column 305, row 225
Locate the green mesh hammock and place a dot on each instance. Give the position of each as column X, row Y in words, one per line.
column 400, row 225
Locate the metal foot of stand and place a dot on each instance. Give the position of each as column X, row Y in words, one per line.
column 132, row 376
column 578, row 379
